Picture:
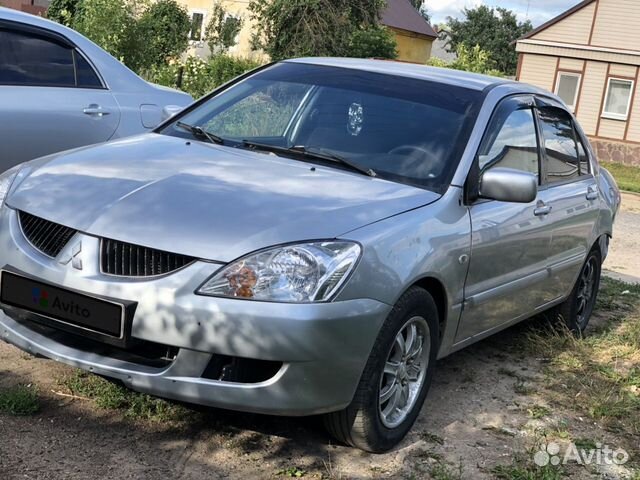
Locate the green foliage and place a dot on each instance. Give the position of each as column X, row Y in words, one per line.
column 373, row 42
column 421, row 6
column 111, row 24
column 109, row 396
column 163, row 30
column 494, row 29
column 63, row 11
column 473, row 60
column 286, row 29
column 627, row 176
column 199, row 77
column 222, row 29
column 19, row 400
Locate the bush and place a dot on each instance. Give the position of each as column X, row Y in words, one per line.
column 63, row 11
column 222, row 29
column 163, row 31
column 373, row 42
column 200, row 77
column 473, row 60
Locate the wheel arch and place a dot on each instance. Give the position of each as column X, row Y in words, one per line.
column 437, row 290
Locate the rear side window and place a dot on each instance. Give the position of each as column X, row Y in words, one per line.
column 511, row 140
column 85, row 75
column 560, row 145
column 32, row 60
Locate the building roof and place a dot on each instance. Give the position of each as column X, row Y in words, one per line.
column 557, row 19
column 401, row 14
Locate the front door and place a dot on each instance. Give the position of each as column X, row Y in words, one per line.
column 51, row 98
column 510, row 241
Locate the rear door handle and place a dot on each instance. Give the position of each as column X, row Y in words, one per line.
column 95, row 111
column 592, row 193
column 542, row 209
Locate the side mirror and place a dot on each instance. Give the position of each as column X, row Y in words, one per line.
column 169, row 111
column 509, row 185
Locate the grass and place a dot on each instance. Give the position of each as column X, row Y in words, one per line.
column 19, row 400
column 538, row 411
column 292, row 472
column 110, row 396
column 598, row 376
column 628, row 177
column 521, row 471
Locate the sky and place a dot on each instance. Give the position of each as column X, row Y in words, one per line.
column 538, row 11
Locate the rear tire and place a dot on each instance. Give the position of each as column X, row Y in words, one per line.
column 576, row 310
column 396, row 378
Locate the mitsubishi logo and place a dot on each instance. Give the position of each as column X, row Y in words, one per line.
column 74, row 257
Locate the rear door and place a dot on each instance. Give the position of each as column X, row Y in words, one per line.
column 510, row 241
column 570, row 193
column 51, row 98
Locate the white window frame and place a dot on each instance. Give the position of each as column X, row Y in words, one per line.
column 578, row 85
column 204, row 14
column 617, row 116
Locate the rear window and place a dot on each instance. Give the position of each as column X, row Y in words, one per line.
column 407, row 130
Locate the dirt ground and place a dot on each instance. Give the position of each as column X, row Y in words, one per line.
column 623, row 261
column 474, row 418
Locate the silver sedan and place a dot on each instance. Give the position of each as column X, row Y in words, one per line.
column 308, row 239
column 59, row 90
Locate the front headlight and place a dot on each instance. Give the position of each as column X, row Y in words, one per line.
column 308, row 272
column 6, row 180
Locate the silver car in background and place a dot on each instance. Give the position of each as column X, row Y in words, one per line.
column 58, row 91
column 308, row 239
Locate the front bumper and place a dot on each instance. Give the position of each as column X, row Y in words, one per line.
column 323, row 347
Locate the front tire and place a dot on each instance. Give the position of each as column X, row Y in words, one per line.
column 576, row 310
column 396, row 378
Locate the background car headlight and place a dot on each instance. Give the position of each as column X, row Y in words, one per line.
column 6, row 180
column 309, row 272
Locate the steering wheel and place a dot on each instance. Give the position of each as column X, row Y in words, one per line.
column 418, row 154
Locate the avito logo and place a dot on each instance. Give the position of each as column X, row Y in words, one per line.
column 40, row 297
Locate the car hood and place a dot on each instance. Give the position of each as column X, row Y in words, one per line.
column 203, row 200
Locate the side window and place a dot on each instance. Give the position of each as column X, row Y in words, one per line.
column 86, row 76
column 511, row 141
column 560, row 145
column 32, row 60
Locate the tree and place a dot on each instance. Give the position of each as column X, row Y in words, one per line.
column 222, row 29
column 470, row 60
column 421, row 6
column 163, row 30
column 286, row 28
column 373, row 42
column 495, row 30
column 111, row 24
column 63, row 11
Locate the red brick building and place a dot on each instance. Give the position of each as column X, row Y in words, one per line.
column 35, row 7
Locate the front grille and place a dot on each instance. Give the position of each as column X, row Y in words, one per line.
column 48, row 237
column 127, row 260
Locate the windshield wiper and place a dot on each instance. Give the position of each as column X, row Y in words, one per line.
column 200, row 132
column 313, row 153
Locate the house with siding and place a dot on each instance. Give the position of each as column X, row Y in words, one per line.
column 590, row 56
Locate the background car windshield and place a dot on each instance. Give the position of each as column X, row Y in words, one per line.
column 407, row 130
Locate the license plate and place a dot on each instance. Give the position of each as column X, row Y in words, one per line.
column 66, row 307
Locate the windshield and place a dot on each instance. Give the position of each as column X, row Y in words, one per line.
column 403, row 129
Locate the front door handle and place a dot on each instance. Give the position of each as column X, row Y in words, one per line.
column 592, row 193
column 542, row 209
column 95, row 110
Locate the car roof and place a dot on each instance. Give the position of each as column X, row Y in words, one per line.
column 459, row 78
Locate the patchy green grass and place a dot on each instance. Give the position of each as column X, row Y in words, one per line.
column 538, row 411
column 628, row 177
column 521, row 471
column 444, row 471
column 19, row 400
column 598, row 376
column 111, row 396
column 292, row 472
